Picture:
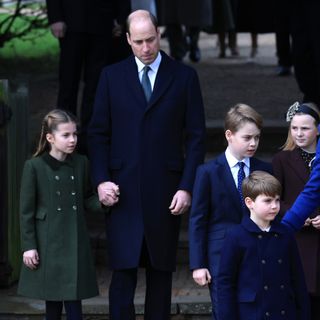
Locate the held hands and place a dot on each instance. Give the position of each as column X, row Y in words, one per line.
column 201, row 276
column 180, row 203
column 108, row 193
column 58, row 29
column 31, row 259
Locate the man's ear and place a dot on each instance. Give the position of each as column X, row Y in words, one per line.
column 128, row 38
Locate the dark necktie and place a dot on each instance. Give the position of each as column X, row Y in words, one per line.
column 241, row 176
column 145, row 82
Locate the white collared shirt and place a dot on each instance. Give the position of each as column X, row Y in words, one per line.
column 234, row 167
column 154, row 66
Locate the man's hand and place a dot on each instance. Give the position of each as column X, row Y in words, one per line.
column 58, row 29
column 108, row 193
column 181, row 202
column 31, row 259
column 201, row 276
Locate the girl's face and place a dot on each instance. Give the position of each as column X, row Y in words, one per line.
column 304, row 132
column 63, row 140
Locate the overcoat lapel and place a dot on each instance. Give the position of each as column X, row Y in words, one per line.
column 131, row 74
column 163, row 81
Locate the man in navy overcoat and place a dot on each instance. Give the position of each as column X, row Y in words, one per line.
column 144, row 153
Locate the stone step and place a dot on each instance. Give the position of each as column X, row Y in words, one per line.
column 189, row 301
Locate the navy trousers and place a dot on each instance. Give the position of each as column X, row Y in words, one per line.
column 158, row 292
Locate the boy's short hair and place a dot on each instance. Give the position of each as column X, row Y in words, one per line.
column 240, row 114
column 260, row 182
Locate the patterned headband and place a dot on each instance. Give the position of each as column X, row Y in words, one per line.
column 297, row 108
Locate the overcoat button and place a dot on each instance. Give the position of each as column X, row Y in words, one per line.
column 265, row 288
column 59, row 209
column 282, row 287
column 73, row 193
column 72, row 177
column 267, row 314
column 57, row 177
column 263, row 261
column 279, row 261
column 74, row 207
column 58, row 193
column 283, row 312
column 260, row 236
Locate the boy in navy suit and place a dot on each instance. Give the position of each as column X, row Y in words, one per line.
column 260, row 274
column 217, row 203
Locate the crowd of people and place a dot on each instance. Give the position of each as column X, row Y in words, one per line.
column 143, row 128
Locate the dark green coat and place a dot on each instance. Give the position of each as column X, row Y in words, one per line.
column 54, row 196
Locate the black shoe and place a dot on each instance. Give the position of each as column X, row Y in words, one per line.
column 195, row 54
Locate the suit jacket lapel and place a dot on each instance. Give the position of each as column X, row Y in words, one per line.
column 225, row 175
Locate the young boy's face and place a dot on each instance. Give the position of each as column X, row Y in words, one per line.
column 263, row 209
column 244, row 142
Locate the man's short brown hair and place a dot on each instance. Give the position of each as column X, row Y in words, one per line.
column 260, row 182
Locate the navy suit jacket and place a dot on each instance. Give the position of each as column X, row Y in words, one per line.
column 151, row 150
column 216, row 207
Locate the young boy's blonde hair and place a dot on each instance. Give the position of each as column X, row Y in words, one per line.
column 240, row 114
column 260, row 182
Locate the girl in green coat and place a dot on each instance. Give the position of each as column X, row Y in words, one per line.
column 55, row 192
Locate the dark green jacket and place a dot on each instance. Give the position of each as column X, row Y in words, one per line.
column 54, row 197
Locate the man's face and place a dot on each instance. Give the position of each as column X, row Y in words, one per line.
column 144, row 40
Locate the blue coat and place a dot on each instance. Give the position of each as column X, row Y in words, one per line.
column 308, row 200
column 261, row 276
column 215, row 208
column 150, row 150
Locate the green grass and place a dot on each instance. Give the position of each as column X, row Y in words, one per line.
column 40, row 44
column 37, row 51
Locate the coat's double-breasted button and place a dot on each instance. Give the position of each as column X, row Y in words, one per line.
column 267, row 314
column 263, row 261
column 276, row 235
column 59, row 209
column 73, row 193
column 283, row 312
column 74, row 207
column 265, row 287
column 279, row 261
column 58, row 193
column 259, row 236
column 282, row 286
column 72, row 177
column 57, row 178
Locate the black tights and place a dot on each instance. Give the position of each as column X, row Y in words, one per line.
column 73, row 310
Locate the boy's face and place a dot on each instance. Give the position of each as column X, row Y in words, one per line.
column 244, row 142
column 263, row 209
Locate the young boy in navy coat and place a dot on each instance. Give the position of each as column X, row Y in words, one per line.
column 260, row 274
column 217, row 204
